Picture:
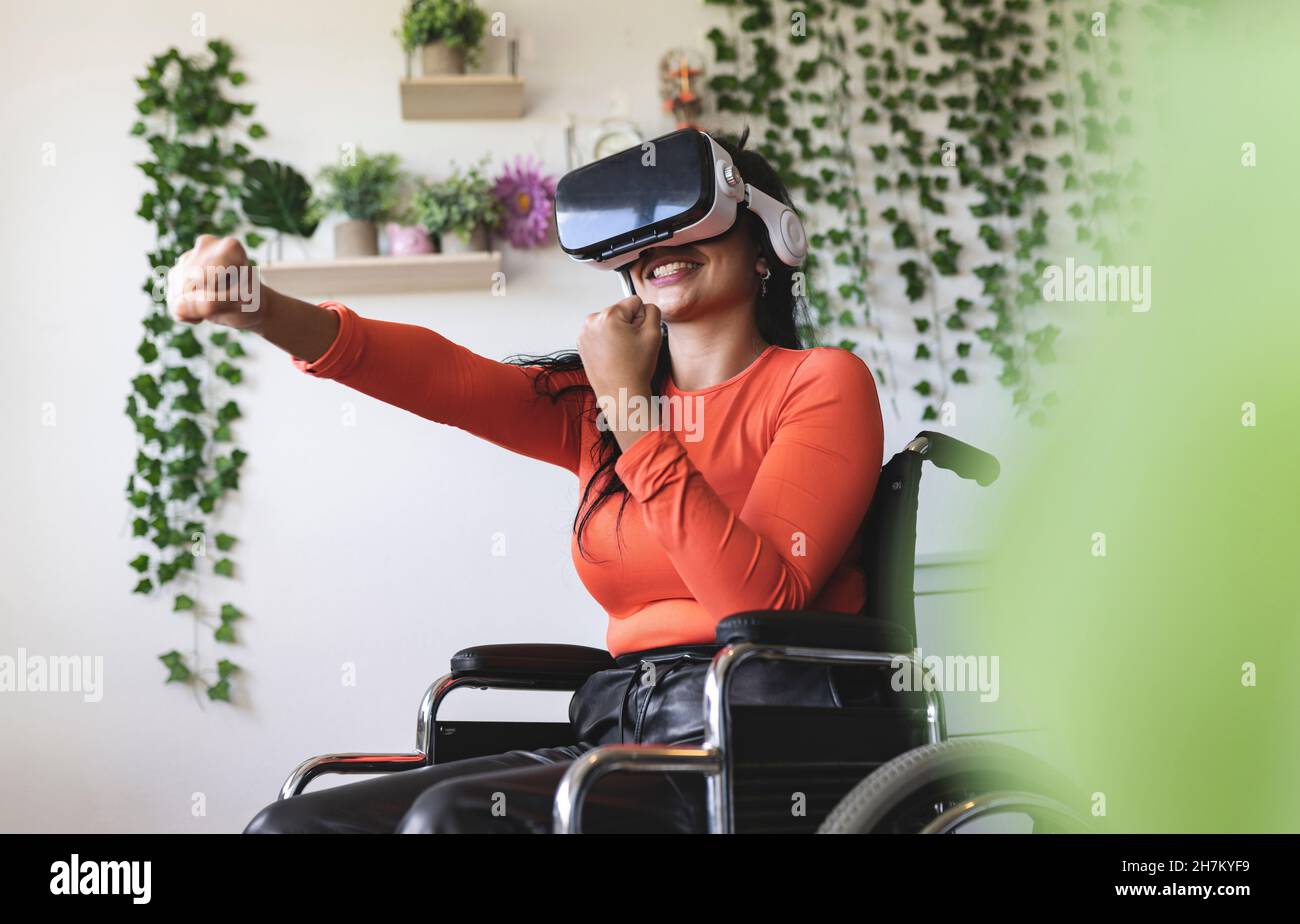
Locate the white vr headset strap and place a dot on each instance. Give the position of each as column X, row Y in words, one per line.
column 784, row 229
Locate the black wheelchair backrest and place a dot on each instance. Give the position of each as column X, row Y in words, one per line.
column 889, row 542
column 889, row 531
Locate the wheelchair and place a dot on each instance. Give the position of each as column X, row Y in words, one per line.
column 881, row 762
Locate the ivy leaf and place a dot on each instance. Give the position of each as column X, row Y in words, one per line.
column 228, row 412
column 183, row 488
column 177, row 671
column 146, row 386
column 225, row 542
column 225, row 567
column 185, row 343
column 183, row 602
column 230, row 612
column 220, row 691
column 189, row 403
column 903, row 236
column 225, row 633
column 140, row 562
column 225, row 668
column 144, row 587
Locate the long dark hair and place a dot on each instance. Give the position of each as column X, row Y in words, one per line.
column 781, row 315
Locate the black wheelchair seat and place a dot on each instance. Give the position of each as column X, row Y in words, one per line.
column 813, row 629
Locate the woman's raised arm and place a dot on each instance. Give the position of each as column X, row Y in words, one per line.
column 401, row 364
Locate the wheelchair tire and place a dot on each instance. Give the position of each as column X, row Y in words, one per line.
column 911, row 793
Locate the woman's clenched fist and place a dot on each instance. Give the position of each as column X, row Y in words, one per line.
column 214, row 282
column 620, row 347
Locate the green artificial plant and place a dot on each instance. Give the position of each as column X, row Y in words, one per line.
column 180, row 403
column 938, row 132
column 365, row 187
column 457, row 205
column 455, row 23
column 278, row 197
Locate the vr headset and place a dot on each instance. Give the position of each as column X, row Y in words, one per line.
column 677, row 189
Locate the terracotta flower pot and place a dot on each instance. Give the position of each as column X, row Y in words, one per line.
column 356, row 238
column 478, row 242
column 436, row 58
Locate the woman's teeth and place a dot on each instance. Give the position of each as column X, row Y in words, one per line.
column 669, row 269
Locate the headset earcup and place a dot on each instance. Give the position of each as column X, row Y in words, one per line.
column 793, row 238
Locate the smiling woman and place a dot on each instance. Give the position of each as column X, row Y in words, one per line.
column 752, row 501
column 748, row 300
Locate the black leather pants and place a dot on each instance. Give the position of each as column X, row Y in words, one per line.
column 654, row 697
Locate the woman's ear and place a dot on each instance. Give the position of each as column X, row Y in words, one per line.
column 761, row 267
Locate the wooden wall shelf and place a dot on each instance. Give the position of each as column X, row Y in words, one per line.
column 463, row 96
column 378, row 275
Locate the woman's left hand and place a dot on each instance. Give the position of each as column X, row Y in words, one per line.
column 619, row 348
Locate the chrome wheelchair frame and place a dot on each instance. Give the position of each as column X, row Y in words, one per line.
column 710, row 760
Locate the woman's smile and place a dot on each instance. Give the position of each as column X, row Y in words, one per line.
column 666, row 269
column 669, row 273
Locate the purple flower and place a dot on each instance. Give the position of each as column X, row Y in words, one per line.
column 526, row 194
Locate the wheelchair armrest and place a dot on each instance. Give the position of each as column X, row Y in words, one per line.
column 561, row 666
column 815, row 629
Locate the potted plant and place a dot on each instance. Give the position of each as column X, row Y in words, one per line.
column 460, row 211
column 448, row 33
column 365, row 189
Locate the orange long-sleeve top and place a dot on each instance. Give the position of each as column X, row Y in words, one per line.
column 748, row 495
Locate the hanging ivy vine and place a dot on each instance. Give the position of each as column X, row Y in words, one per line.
column 186, row 461
column 952, row 124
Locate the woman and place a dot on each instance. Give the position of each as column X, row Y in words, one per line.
column 747, row 494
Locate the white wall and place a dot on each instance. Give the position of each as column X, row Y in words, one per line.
column 366, row 544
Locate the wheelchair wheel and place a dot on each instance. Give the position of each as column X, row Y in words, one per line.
column 959, row 786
